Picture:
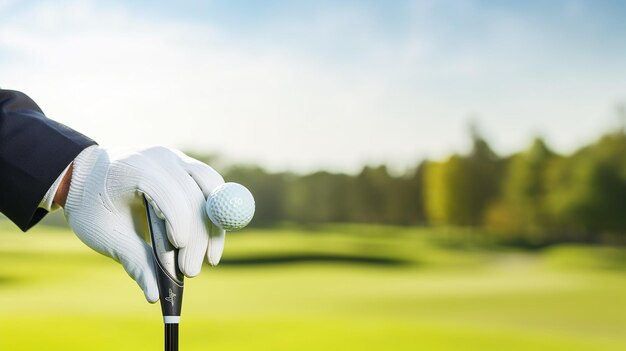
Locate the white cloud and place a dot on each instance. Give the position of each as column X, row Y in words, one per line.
column 128, row 80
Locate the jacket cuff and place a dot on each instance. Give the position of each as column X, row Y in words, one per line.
column 34, row 150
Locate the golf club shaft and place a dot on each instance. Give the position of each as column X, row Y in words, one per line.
column 169, row 278
column 171, row 337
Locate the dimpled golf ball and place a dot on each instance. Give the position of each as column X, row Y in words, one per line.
column 230, row 206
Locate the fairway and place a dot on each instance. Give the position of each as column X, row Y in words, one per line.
column 329, row 288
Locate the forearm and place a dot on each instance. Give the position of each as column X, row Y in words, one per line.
column 61, row 195
column 34, row 151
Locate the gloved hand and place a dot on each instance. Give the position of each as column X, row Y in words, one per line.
column 105, row 208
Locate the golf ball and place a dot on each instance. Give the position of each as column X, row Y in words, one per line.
column 230, row 206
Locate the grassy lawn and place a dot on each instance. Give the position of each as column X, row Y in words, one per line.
column 329, row 288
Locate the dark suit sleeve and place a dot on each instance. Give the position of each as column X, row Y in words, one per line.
column 34, row 150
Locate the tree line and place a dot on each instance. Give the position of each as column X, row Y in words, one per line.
column 535, row 195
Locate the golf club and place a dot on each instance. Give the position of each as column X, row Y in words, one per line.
column 169, row 278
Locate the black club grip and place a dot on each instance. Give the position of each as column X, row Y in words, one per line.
column 169, row 278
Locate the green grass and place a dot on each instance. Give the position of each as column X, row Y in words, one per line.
column 331, row 288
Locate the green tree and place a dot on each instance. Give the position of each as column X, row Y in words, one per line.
column 459, row 190
column 444, row 192
column 589, row 190
column 525, row 188
column 483, row 175
column 318, row 197
column 269, row 191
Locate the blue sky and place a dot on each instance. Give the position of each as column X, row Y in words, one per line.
column 303, row 85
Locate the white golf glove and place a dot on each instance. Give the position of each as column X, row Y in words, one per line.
column 105, row 208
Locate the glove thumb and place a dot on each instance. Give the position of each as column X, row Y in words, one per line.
column 137, row 260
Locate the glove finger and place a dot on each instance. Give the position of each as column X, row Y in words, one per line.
column 190, row 257
column 207, row 179
column 177, row 199
column 216, row 244
column 195, row 177
column 205, row 176
column 186, row 214
column 136, row 257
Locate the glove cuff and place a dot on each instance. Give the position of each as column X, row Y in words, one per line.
column 84, row 169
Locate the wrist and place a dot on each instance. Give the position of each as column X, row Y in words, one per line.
column 61, row 195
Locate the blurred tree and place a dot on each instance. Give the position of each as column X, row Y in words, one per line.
column 536, row 195
column 484, row 173
column 319, row 197
column 589, row 195
column 458, row 191
column 444, row 186
column 367, row 195
column 524, row 193
column 378, row 197
column 434, row 194
column 269, row 191
column 413, row 195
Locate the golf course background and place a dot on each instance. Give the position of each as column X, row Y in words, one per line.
column 334, row 287
column 478, row 251
column 428, row 175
